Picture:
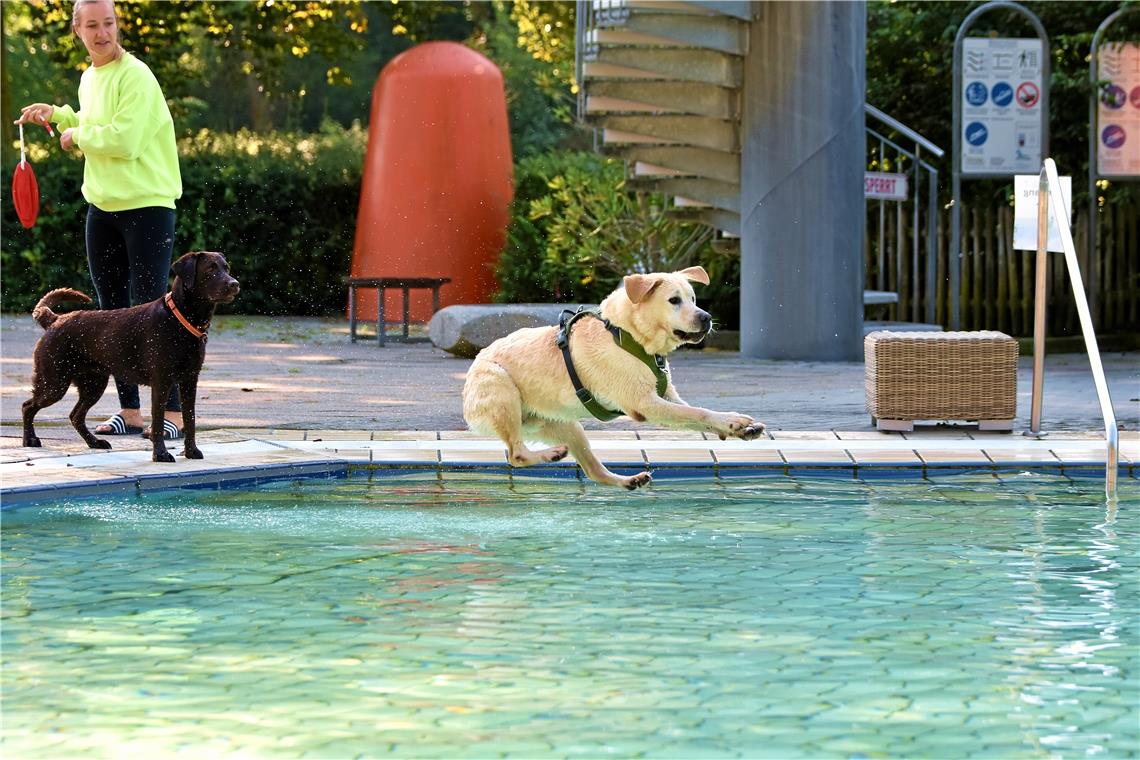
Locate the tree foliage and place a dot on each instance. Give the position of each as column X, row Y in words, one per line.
column 293, row 64
column 281, row 206
column 202, row 52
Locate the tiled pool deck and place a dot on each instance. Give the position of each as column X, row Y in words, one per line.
column 253, row 455
column 286, row 397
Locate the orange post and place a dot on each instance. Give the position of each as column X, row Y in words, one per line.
column 437, row 186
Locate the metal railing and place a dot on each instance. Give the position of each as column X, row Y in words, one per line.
column 917, row 168
column 583, row 24
column 1048, row 179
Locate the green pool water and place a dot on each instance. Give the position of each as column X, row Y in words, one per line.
column 971, row 616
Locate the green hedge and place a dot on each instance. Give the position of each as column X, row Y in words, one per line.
column 282, row 207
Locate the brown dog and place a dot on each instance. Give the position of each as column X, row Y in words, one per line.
column 157, row 344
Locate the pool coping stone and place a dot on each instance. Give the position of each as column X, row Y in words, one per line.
column 31, row 475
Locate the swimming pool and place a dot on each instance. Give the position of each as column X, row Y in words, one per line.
column 973, row 615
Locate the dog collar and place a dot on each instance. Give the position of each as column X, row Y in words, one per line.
column 656, row 363
column 168, row 299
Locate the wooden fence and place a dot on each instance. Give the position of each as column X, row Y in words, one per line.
column 997, row 282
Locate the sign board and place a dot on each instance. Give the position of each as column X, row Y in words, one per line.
column 884, row 186
column 1118, row 110
column 1025, row 192
column 1001, row 105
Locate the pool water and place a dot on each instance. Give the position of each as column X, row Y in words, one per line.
column 480, row 617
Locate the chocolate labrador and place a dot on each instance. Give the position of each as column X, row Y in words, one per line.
column 157, row 344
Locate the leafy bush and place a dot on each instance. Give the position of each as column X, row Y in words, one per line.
column 281, row 206
column 576, row 230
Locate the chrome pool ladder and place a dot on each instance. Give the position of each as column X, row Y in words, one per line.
column 1048, row 179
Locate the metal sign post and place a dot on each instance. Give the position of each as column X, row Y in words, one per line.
column 1105, row 144
column 1007, row 99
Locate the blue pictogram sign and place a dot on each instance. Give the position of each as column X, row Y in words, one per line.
column 1113, row 136
column 1002, row 94
column 976, row 93
column 1113, row 96
column 976, row 133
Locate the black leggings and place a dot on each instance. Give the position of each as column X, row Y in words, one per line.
column 129, row 253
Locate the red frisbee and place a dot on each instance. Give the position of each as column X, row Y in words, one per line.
column 26, row 194
column 25, row 189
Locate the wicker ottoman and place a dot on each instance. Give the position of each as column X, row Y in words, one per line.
column 970, row 376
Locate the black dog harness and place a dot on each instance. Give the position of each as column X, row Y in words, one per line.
column 656, row 362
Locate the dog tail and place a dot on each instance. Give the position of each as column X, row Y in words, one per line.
column 43, row 314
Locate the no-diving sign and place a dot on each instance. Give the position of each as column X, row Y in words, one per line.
column 1028, row 94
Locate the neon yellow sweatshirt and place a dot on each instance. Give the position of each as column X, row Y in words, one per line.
column 126, row 135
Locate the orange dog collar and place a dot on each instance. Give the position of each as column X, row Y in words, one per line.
column 168, row 299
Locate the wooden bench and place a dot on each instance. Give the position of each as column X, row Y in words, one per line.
column 381, row 285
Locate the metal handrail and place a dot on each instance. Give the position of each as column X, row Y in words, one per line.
column 583, row 18
column 1048, row 178
column 902, row 129
column 888, row 141
column 919, row 167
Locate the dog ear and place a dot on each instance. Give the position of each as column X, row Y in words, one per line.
column 185, row 269
column 696, row 274
column 639, row 286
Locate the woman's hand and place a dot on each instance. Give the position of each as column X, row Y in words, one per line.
column 66, row 141
column 36, row 113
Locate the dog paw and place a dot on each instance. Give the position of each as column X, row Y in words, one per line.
column 192, row 453
column 557, row 453
column 32, row 442
column 99, row 443
column 164, row 456
column 755, row 430
column 637, row 481
column 734, row 425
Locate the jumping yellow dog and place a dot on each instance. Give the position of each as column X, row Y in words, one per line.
column 536, row 383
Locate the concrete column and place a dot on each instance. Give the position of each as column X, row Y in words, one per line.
column 802, row 217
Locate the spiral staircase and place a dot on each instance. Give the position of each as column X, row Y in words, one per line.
column 660, row 82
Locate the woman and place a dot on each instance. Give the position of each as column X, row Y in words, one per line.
column 130, row 181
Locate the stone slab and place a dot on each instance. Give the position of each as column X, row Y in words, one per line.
column 466, row 329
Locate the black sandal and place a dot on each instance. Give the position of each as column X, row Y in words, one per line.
column 118, row 426
column 170, row 431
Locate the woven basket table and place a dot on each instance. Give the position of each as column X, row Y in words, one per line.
column 941, row 376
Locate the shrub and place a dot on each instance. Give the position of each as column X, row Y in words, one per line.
column 576, row 230
column 281, row 206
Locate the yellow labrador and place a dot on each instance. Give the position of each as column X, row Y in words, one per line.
column 521, row 388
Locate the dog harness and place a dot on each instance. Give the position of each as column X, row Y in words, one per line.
column 197, row 332
column 656, row 362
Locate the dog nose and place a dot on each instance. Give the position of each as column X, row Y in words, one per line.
column 704, row 317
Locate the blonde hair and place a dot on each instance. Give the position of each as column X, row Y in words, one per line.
column 75, row 21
